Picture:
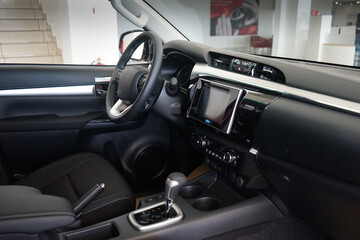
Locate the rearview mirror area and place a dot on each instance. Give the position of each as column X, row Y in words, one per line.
column 141, row 53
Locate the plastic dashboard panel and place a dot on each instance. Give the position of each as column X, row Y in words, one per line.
column 312, row 137
column 311, row 155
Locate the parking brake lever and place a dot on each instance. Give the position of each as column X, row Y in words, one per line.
column 88, row 198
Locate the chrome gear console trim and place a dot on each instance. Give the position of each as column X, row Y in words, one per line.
column 167, row 222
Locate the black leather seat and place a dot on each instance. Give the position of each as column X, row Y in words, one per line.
column 72, row 176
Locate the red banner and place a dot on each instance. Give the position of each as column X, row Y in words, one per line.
column 234, row 17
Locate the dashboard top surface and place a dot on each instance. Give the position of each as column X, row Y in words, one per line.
column 331, row 80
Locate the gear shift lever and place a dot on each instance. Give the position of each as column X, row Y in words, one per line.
column 172, row 186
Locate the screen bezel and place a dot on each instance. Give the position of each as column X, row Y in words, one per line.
column 235, row 92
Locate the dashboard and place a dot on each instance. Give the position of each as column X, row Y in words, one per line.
column 261, row 121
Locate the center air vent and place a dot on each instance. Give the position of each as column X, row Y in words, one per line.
column 247, row 67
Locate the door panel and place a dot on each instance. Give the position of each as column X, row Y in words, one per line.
column 38, row 76
column 48, row 112
column 43, row 109
column 63, row 106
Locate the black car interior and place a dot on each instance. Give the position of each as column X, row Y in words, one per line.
column 87, row 156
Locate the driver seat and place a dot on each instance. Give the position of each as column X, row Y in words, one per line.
column 71, row 177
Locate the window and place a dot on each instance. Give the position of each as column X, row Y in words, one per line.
column 60, row 32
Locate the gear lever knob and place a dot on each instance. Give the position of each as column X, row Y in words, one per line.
column 172, row 186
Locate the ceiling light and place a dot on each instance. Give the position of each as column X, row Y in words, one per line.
column 336, row 2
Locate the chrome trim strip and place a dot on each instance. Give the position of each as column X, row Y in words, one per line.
column 203, row 70
column 254, row 151
column 155, row 226
column 228, row 130
column 102, row 79
column 86, row 90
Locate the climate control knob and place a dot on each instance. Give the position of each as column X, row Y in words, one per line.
column 229, row 157
column 202, row 142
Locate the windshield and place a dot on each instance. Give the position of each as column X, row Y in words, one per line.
column 313, row 30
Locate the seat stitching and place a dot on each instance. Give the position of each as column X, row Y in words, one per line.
column 20, row 186
column 103, row 205
column 37, row 214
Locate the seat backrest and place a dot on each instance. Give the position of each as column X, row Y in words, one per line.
column 5, row 176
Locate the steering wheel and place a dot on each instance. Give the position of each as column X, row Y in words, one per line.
column 133, row 89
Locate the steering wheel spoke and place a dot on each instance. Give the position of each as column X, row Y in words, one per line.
column 119, row 108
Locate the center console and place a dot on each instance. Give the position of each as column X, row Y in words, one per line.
column 222, row 121
column 208, row 206
column 223, row 118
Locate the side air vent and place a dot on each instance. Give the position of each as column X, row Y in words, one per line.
column 247, row 67
column 220, row 61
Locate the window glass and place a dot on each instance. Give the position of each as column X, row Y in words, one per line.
column 314, row 30
column 60, row 32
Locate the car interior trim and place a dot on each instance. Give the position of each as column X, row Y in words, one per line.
column 203, row 70
column 145, row 228
column 102, row 79
column 86, row 90
column 254, row 151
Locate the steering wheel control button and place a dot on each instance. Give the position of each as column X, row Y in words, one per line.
column 117, row 76
column 141, row 82
column 147, row 105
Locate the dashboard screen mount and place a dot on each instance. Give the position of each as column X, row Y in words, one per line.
column 214, row 104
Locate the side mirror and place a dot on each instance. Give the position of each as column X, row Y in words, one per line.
column 125, row 40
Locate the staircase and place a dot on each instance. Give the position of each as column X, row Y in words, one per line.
column 25, row 35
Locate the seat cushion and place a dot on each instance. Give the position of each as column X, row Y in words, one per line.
column 71, row 177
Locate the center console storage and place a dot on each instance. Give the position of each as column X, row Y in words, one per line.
column 208, row 194
column 101, row 232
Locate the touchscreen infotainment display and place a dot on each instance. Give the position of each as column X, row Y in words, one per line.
column 214, row 104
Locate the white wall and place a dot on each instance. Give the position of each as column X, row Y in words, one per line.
column 93, row 28
column 58, row 18
column 85, row 30
column 291, row 24
column 338, row 54
column 266, row 17
column 302, row 27
column 320, row 26
column 345, row 37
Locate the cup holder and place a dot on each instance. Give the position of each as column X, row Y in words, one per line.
column 206, row 204
column 191, row 191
